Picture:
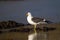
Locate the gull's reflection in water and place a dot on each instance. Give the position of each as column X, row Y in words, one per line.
column 32, row 36
column 38, row 36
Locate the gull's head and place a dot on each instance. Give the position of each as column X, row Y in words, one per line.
column 28, row 14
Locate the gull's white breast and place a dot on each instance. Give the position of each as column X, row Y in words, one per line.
column 29, row 19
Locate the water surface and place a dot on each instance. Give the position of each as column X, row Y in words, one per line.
column 16, row 10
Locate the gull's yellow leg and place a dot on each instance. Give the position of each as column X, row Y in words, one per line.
column 35, row 28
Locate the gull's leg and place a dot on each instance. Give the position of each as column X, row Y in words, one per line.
column 35, row 28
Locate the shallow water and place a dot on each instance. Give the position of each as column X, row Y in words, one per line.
column 38, row 36
column 23, row 36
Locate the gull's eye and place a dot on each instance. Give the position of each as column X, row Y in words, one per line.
column 26, row 14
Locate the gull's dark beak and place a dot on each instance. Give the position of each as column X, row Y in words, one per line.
column 26, row 14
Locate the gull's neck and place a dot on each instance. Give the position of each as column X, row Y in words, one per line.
column 30, row 16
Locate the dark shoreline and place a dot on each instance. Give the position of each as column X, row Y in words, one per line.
column 12, row 26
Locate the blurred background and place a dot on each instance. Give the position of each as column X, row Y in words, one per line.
column 13, row 19
column 16, row 9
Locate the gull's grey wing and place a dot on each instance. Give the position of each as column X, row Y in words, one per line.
column 36, row 20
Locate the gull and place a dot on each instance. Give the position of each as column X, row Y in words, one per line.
column 34, row 20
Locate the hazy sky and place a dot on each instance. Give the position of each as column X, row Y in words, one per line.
column 16, row 10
